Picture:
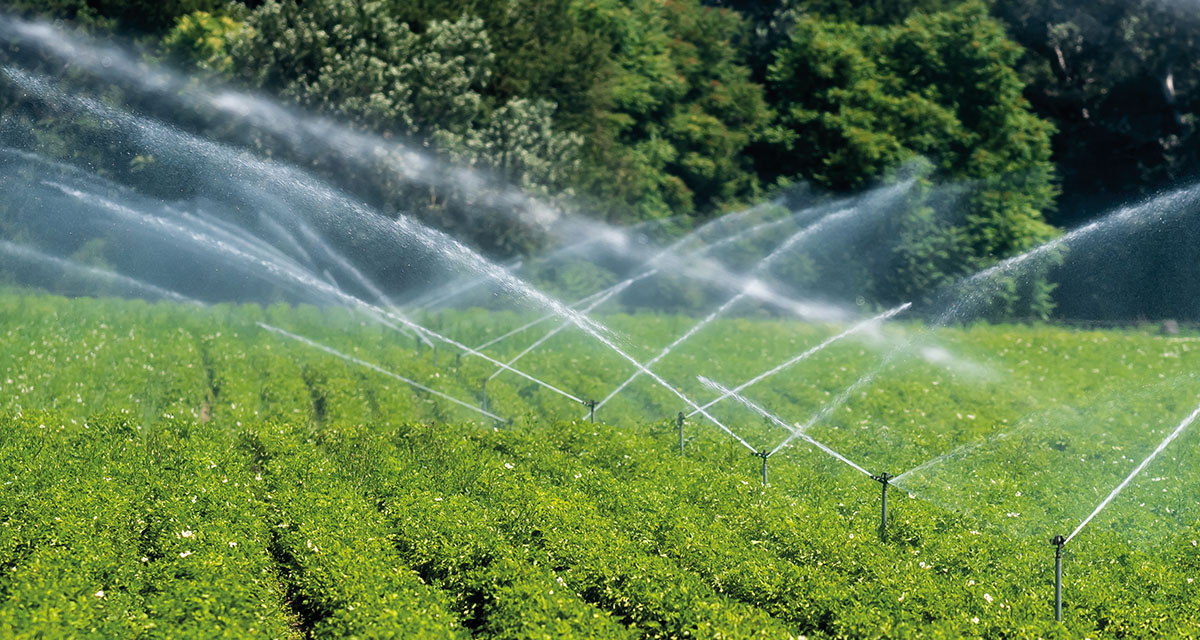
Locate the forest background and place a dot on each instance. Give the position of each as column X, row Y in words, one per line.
column 1018, row 119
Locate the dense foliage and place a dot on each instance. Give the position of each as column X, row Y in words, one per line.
column 219, row 478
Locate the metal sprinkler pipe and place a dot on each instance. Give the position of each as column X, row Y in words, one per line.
column 1058, row 542
column 483, row 389
column 591, row 405
column 679, row 420
column 883, row 479
column 764, row 454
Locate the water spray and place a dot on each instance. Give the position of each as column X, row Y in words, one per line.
column 1157, row 450
column 828, row 341
column 797, row 432
column 885, row 480
column 755, row 286
column 1058, row 542
column 378, row 369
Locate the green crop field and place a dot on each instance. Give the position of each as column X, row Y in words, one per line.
column 172, row 470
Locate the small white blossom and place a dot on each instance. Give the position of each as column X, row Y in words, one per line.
column 988, row 597
column 100, row 593
column 185, row 554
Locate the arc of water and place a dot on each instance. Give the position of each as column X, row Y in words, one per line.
column 288, row 239
column 516, row 265
column 1187, row 422
column 796, row 432
column 386, row 317
column 608, row 293
column 624, row 284
column 886, row 315
column 378, row 369
column 761, row 267
column 746, row 402
column 534, row 323
column 958, row 451
column 605, row 294
column 553, row 332
column 838, row 401
column 1172, row 200
column 33, row 255
column 451, row 292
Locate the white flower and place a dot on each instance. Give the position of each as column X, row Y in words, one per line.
column 508, row 465
column 988, row 597
column 100, row 593
column 185, row 554
column 186, row 534
column 975, row 620
column 232, row 543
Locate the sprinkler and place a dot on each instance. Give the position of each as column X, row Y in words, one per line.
column 679, row 420
column 483, row 389
column 591, row 405
column 883, row 479
column 764, row 454
column 1058, row 542
column 435, row 356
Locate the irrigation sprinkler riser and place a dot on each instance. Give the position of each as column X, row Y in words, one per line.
column 679, row 420
column 1058, row 542
column 764, row 455
column 883, row 479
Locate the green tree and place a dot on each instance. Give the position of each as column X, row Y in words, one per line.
column 859, row 101
column 1118, row 79
column 683, row 109
column 361, row 62
column 153, row 17
column 203, row 40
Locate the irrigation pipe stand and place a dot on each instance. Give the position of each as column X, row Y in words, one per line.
column 591, row 405
column 1058, row 542
column 679, row 420
column 883, row 479
column 764, row 454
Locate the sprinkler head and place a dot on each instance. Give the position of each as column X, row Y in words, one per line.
column 1058, row 541
column 764, row 454
column 883, row 478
